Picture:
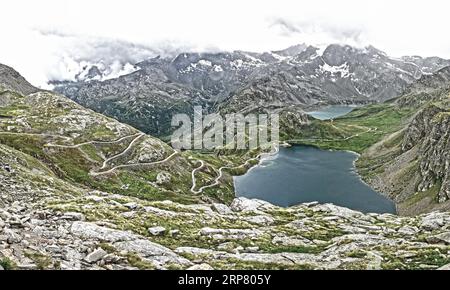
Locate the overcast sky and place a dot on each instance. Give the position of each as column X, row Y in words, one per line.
column 52, row 39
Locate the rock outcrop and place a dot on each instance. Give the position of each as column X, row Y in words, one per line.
column 11, row 80
column 430, row 131
column 38, row 234
column 413, row 163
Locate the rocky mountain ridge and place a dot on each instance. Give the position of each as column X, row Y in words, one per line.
column 413, row 163
column 300, row 76
column 10, row 79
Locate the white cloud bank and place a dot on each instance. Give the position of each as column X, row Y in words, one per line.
column 54, row 39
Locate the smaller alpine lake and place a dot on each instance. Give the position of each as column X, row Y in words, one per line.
column 302, row 174
column 331, row 112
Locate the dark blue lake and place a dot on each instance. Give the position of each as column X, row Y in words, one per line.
column 304, row 174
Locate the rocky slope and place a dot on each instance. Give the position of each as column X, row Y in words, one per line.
column 412, row 165
column 60, row 227
column 12, row 80
column 432, row 135
column 145, row 99
column 414, row 168
column 302, row 76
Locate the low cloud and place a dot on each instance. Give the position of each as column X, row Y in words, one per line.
column 58, row 39
column 317, row 32
column 285, row 27
column 75, row 54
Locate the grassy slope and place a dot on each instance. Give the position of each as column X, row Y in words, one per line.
column 20, row 116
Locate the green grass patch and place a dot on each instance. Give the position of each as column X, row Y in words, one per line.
column 356, row 131
column 7, row 264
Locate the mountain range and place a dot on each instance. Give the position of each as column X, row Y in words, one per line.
column 301, row 76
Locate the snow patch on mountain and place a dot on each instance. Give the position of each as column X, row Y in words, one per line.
column 204, row 62
column 218, row 68
column 342, row 70
column 278, row 57
column 86, row 71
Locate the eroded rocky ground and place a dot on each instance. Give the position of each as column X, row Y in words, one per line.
column 65, row 228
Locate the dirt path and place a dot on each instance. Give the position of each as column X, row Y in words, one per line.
column 36, row 134
column 92, row 142
column 202, row 164
column 105, row 163
column 94, row 173
column 221, row 169
column 136, row 136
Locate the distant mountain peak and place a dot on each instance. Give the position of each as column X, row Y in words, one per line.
column 89, row 73
column 292, row 50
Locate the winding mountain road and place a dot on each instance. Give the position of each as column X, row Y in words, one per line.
column 221, row 169
column 137, row 137
column 105, row 163
column 96, row 173
column 202, row 164
column 92, row 142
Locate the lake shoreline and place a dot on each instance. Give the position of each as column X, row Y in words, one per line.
column 352, row 171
